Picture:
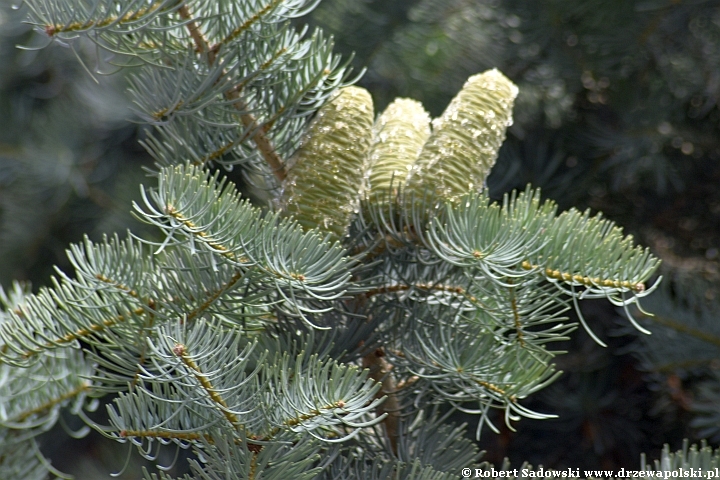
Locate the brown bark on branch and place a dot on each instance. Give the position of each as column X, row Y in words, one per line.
column 381, row 372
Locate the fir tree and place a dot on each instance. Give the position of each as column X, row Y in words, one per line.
column 330, row 333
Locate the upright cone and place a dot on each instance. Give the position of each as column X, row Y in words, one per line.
column 398, row 138
column 464, row 144
column 324, row 185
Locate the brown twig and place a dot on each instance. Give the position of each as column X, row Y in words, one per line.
column 263, row 143
column 381, row 372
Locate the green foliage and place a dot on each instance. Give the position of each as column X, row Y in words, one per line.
column 618, row 111
column 273, row 348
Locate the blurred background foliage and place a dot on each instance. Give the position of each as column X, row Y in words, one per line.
column 70, row 161
column 619, row 112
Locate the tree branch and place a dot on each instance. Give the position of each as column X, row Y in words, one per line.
column 263, row 143
column 381, row 372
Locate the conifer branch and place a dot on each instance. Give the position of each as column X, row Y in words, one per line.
column 516, row 316
column 381, row 371
column 52, row 30
column 120, row 286
column 253, row 466
column 421, row 286
column 587, row 281
column 206, row 237
column 149, row 324
column 496, row 389
column 426, row 287
column 263, row 143
column 250, row 22
column 238, row 88
column 82, row 388
column 181, row 352
column 214, row 155
column 183, row 436
column 202, row 45
column 186, row 436
column 291, row 422
column 214, row 296
column 81, row 333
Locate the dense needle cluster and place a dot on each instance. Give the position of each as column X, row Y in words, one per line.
column 324, row 340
